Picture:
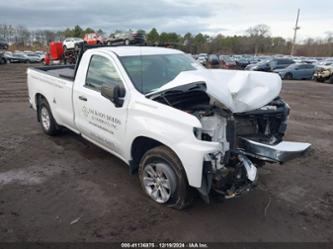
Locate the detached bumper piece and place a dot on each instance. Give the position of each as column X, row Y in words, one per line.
column 281, row 152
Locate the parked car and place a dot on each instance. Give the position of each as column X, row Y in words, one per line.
column 126, row 38
column 40, row 54
column 17, row 57
column 203, row 55
column 279, row 63
column 325, row 63
column 8, row 55
column 242, row 62
column 297, row 72
column 260, row 66
column 213, row 61
column 181, row 126
column 34, row 58
column 71, row 42
column 202, row 60
column 3, row 44
column 93, row 39
column 324, row 73
column 270, row 65
column 227, row 62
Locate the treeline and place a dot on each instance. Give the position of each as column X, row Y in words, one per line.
column 256, row 40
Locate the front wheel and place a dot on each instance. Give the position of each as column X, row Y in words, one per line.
column 49, row 125
column 320, row 80
column 331, row 79
column 163, row 178
column 288, row 76
column 127, row 42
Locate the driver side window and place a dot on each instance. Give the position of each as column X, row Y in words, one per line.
column 101, row 72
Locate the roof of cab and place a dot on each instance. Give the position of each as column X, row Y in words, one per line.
column 139, row 50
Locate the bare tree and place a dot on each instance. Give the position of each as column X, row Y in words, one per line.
column 258, row 34
column 260, row 30
column 22, row 35
column 329, row 36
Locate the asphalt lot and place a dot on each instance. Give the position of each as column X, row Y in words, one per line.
column 66, row 189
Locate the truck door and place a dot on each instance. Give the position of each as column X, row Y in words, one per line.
column 97, row 118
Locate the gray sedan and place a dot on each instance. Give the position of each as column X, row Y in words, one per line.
column 297, row 72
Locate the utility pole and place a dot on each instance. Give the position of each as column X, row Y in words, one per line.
column 295, row 33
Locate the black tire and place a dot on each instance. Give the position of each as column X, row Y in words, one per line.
column 288, row 76
column 2, row 61
column 331, row 79
column 52, row 129
column 320, row 80
column 182, row 195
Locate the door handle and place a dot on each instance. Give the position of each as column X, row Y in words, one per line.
column 83, row 98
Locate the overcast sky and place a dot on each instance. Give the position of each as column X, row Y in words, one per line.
column 181, row 16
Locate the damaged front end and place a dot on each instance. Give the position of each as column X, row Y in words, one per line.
column 252, row 139
column 248, row 139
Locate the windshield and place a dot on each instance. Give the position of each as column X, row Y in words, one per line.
column 292, row 66
column 150, row 72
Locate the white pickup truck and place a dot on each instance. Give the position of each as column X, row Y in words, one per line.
column 179, row 125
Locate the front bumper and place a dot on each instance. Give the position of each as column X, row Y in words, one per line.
column 322, row 74
column 281, row 152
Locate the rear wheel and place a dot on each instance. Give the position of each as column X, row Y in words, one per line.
column 163, row 178
column 49, row 125
column 127, row 42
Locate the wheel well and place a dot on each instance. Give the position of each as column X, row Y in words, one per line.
column 140, row 146
column 38, row 99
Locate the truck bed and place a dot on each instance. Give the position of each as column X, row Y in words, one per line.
column 62, row 71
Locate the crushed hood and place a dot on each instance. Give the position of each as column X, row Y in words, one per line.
column 239, row 91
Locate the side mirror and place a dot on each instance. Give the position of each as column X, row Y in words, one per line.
column 114, row 94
